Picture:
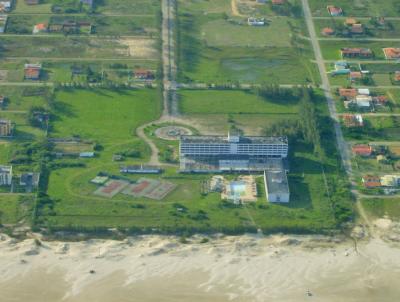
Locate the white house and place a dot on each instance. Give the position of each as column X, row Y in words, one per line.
column 276, row 186
column 6, row 175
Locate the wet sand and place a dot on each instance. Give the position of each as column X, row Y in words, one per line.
column 157, row 268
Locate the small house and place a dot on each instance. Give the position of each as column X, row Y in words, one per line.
column 5, row 6
column 355, row 76
column 392, row 53
column 86, row 154
column 327, row 31
column 348, row 93
column 357, row 29
column 256, row 21
column 29, row 180
column 363, row 91
column 351, row 120
column 40, row 28
column 32, row 71
column 371, row 181
column 350, row 21
column 6, row 175
column 362, row 150
column 390, row 180
column 334, row 11
column 6, row 128
column 143, row 74
column 363, row 101
column 362, row 53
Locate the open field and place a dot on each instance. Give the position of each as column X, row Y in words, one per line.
column 382, row 207
column 235, row 102
column 76, row 47
column 137, row 7
column 14, row 208
column 359, row 8
column 115, row 120
column 254, row 65
column 214, row 48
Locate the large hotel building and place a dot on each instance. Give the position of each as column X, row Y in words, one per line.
column 232, row 153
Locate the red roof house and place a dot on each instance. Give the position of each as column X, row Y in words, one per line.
column 348, row 93
column 371, row 181
column 392, row 53
column 334, row 11
column 362, row 150
column 356, row 52
column 327, row 31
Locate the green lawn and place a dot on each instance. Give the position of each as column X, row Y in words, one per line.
column 14, row 208
column 102, row 115
column 222, row 33
column 227, row 101
column 136, row 7
column 380, row 207
column 214, row 48
column 70, row 47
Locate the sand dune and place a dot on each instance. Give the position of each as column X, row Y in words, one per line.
column 244, row 268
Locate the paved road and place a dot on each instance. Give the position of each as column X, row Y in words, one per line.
column 341, row 143
column 169, row 80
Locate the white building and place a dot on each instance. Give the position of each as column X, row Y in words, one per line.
column 276, row 186
column 236, row 153
column 256, row 21
column 6, row 175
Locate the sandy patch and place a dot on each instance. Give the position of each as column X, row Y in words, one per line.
column 227, row 268
column 140, row 48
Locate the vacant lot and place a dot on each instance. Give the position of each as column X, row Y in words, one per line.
column 220, row 102
column 214, row 48
column 382, row 207
column 72, row 47
column 102, row 115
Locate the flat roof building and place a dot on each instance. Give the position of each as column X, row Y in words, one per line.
column 6, row 175
column 276, row 186
column 232, row 153
column 5, row 128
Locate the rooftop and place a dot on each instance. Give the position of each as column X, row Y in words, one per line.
column 277, row 182
column 210, row 139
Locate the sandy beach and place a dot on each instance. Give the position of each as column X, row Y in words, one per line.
column 227, row 268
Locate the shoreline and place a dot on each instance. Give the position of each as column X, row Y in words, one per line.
column 226, row 268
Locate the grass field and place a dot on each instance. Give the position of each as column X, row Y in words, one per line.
column 115, row 119
column 14, row 208
column 73, row 47
column 382, row 207
column 214, row 48
column 236, row 102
